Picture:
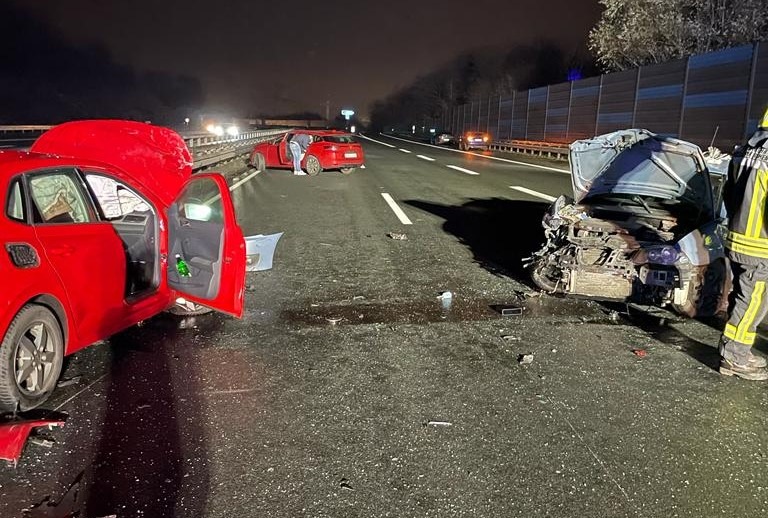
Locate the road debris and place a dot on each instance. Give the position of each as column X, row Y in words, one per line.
column 525, row 359
column 344, row 483
column 41, row 441
column 67, row 382
column 14, row 434
column 511, row 311
column 640, row 353
column 439, row 423
column 358, row 297
column 335, row 320
column 397, row 236
column 510, row 338
column 446, row 298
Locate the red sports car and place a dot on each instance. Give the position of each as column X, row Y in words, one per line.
column 104, row 226
column 328, row 150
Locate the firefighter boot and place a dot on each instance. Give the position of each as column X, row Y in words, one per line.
column 747, row 371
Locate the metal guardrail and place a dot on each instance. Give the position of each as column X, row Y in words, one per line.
column 552, row 150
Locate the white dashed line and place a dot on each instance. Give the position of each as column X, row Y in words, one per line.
column 396, row 209
column 499, row 159
column 241, row 182
column 457, row 168
column 404, row 150
column 533, row 193
column 377, row 141
column 427, row 158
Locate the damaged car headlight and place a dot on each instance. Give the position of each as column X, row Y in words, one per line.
column 666, row 255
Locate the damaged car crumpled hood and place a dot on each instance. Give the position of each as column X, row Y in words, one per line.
column 638, row 162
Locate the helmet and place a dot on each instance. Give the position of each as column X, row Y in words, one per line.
column 763, row 124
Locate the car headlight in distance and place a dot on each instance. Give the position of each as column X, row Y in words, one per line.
column 232, row 131
column 666, row 255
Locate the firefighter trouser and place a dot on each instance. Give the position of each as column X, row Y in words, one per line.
column 747, row 307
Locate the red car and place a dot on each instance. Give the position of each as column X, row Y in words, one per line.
column 329, row 150
column 104, row 226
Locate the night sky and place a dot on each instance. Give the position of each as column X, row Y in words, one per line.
column 254, row 56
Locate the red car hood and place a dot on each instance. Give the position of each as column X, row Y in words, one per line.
column 155, row 157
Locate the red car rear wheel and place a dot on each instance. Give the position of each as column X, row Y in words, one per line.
column 312, row 164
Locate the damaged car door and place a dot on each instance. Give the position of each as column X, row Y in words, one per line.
column 642, row 226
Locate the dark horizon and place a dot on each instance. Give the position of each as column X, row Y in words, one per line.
column 347, row 56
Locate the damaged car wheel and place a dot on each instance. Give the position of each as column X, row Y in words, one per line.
column 31, row 357
column 707, row 292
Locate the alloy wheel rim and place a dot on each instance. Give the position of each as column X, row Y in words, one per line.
column 34, row 360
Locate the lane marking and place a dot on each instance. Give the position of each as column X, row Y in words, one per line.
column 377, row 141
column 241, row 182
column 457, row 168
column 233, row 187
column 404, row 150
column 499, row 159
column 537, row 194
column 429, row 159
column 396, row 209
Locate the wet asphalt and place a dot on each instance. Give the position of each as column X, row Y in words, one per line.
column 349, row 389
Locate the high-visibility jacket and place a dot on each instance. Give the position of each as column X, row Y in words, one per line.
column 745, row 195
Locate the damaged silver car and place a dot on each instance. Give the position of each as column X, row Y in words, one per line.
column 642, row 227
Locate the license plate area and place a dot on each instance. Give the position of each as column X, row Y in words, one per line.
column 350, row 155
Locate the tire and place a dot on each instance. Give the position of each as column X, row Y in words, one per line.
column 707, row 293
column 257, row 161
column 312, row 165
column 35, row 336
column 347, row 170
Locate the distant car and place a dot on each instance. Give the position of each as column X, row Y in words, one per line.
column 329, row 149
column 104, row 226
column 443, row 138
column 475, row 140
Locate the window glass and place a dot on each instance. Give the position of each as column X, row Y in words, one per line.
column 115, row 199
column 15, row 208
column 201, row 201
column 57, row 198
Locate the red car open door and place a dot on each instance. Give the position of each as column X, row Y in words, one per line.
column 206, row 248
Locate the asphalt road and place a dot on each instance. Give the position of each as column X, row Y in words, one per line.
column 350, row 390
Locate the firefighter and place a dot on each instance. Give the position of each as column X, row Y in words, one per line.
column 745, row 196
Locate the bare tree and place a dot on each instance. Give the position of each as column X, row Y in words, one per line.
column 632, row 33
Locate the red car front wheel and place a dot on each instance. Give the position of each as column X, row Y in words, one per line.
column 31, row 356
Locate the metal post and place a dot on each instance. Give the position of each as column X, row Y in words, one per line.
column 546, row 113
column 527, row 113
column 750, row 91
column 682, row 101
column 568, row 120
column 637, row 91
column 498, row 119
column 512, row 116
column 599, row 99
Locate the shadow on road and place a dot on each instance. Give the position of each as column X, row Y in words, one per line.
column 499, row 232
column 151, row 458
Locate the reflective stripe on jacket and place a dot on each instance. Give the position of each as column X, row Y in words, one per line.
column 745, row 195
